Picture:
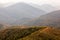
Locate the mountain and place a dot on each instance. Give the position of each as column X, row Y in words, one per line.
column 45, row 34
column 18, row 11
column 30, row 33
column 24, row 10
column 17, row 33
column 21, row 21
column 46, row 7
column 50, row 19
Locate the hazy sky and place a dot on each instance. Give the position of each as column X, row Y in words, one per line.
column 52, row 2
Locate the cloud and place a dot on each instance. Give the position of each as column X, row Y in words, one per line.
column 52, row 2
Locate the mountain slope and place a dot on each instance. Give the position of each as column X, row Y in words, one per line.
column 17, row 33
column 24, row 9
column 45, row 34
column 46, row 7
column 19, row 11
column 31, row 33
column 51, row 19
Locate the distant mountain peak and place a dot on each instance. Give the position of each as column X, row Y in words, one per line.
column 45, row 7
column 19, row 11
column 48, row 8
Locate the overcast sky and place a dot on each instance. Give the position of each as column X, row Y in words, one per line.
column 39, row 2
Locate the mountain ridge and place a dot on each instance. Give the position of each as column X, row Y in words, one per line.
column 19, row 11
column 51, row 19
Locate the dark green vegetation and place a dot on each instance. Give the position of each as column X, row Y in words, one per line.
column 45, row 34
column 32, row 33
column 17, row 33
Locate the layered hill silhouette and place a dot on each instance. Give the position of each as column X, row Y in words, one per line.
column 51, row 19
column 46, row 7
column 18, row 12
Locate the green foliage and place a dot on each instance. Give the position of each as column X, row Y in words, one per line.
column 30, row 33
column 45, row 34
column 16, row 33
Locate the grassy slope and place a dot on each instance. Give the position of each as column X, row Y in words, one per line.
column 46, row 34
column 17, row 33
